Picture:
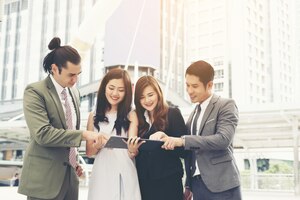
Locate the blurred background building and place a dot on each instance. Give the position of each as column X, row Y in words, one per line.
column 250, row 43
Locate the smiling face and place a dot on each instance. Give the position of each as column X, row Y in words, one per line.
column 68, row 75
column 196, row 89
column 115, row 92
column 149, row 99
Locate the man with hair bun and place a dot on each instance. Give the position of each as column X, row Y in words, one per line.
column 51, row 110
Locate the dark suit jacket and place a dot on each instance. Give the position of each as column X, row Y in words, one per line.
column 213, row 146
column 162, row 163
column 47, row 154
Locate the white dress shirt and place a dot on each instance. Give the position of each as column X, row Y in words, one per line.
column 59, row 89
column 203, row 106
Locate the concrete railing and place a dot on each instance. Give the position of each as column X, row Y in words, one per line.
column 268, row 182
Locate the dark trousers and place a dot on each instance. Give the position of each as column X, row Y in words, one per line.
column 201, row 192
column 69, row 188
column 169, row 188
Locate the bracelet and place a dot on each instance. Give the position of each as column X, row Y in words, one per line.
column 133, row 153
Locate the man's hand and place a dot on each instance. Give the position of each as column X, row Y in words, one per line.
column 90, row 136
column 79, row 170
column 172, row 142
column 187, row 195
column 101, row 141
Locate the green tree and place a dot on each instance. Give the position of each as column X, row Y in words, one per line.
column 280, row 168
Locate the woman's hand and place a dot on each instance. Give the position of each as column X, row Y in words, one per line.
column 159, row 135
column 133, row 144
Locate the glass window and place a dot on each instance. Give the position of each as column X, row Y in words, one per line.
column 219, row 73
column 18, row 39
column 6, row 57
column 19, row 22
column 219, row 87
column 7, row 9
column 4, row 74
column 15, row 7
column 24, row 4
column 8, row 24
column 14, row 93
column 4, row 92
column 17, row 55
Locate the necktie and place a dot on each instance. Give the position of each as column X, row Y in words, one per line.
column 194, row 129
column 194, row 132
column 68, row 115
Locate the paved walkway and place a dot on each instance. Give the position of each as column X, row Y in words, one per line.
column 10, row 193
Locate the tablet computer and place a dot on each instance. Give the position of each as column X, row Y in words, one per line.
column 116, row 142
column 151, row 145
column 120, row 142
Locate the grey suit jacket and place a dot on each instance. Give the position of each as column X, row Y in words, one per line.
column 47, row 155
column 213, row 145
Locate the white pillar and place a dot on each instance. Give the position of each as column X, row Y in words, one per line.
column 173, row 50
column 253, row 173
column 134, row 36
column 296, row 155
column 1, row 10
column 93, row 24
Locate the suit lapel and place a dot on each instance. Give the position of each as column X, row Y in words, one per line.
column 57, row 102
column 208, row 111
column 189, row 121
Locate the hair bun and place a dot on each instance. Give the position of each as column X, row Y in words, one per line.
column 54, row 43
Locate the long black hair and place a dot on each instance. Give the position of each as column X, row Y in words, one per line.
column 59, row 55
column 124, row 106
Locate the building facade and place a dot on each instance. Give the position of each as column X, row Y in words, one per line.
column 26, row 30
column 250, row 43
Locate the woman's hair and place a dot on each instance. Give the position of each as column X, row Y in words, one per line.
column 59, row 55
column 160, row 111
column 124, row 106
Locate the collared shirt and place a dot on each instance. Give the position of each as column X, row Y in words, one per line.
column 59, row 89
column 147, row 117
column 203, row 106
